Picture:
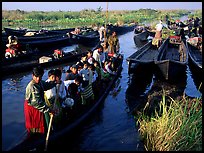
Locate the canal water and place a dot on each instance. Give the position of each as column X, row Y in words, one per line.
column 111, row 128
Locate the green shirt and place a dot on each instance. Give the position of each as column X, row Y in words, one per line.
column 35, row 94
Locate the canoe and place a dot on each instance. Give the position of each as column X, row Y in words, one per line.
column 141, row 37
column 57, row 41
column 15, row 32
column 49, row 60
column 195, row 62
column 195, row 55
column 172, row 60
column 120, row 30
column 86, row 112
column 87, row 38
column 144, row 56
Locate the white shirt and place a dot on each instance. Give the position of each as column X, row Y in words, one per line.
column 99, row 57
column 159, row 27
column 52, row 92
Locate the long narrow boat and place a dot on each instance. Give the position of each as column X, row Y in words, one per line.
column 195, row 61
column 15, row 32
column 120, row 30
column 27, row 65
column 87, row 38
column 195, row 55
column 86, row 111
column 141, row 37
column 172, row 60
column 144, row 57
column 49, row 43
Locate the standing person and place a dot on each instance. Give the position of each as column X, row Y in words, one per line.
column 51, row 93
column 35, row 108
column 101, row 32
column 113, row 43
column 158, row 35
column 99, row 55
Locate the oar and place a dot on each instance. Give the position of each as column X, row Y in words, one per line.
column 51, row 117
column 48, row 132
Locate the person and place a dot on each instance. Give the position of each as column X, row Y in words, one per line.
column 101, row 32
column 13, row 47
column 99, row 55
column 113, row 43
column 35, row 109
column 73, row 74
column 58, row 53
column 89, row 57
column 51, row 93
column 60, row 94
column 157, row 40
column 84, row 73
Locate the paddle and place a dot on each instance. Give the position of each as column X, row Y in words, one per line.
column 48, row 132
column 51, row 117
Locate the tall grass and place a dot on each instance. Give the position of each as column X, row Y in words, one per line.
column 174, row 127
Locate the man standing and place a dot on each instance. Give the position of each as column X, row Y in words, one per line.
column 158, row 35
column 113, row 43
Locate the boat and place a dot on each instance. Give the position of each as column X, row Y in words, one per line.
column 37, row 143
column 195, row 59
column 143, row 57
column 87, row 38
column 15, row 32
column 20, row 66
column 141, row 35
column 195, row 53
column 172, row 60
column 120, row 30
column 53, row 42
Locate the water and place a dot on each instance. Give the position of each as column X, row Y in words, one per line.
column 112, row 128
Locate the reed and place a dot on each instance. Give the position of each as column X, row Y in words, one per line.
column 174, row 127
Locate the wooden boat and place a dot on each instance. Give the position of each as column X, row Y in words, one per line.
column 195, row 60
column 144, row 56
column 57, row 41
column 86, row 38
column 15, row 32
column 172, row 59
column 49, row 60
column 141, row 36
column 120, row 30
column 38, row 143
column 195, row 54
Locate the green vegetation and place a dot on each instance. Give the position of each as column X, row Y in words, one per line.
column 87, row 17
column 174, row 127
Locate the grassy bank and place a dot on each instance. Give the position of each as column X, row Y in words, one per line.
column 87, row 17
column 175, row 126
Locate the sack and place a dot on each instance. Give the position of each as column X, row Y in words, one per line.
column 68, row 102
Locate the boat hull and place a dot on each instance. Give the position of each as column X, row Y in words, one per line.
column 172, row 61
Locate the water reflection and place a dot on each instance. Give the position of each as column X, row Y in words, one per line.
column 139, row 84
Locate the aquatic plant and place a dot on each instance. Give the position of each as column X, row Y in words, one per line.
column 175, row 127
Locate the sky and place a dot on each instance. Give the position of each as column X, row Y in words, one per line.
column 78, row 6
